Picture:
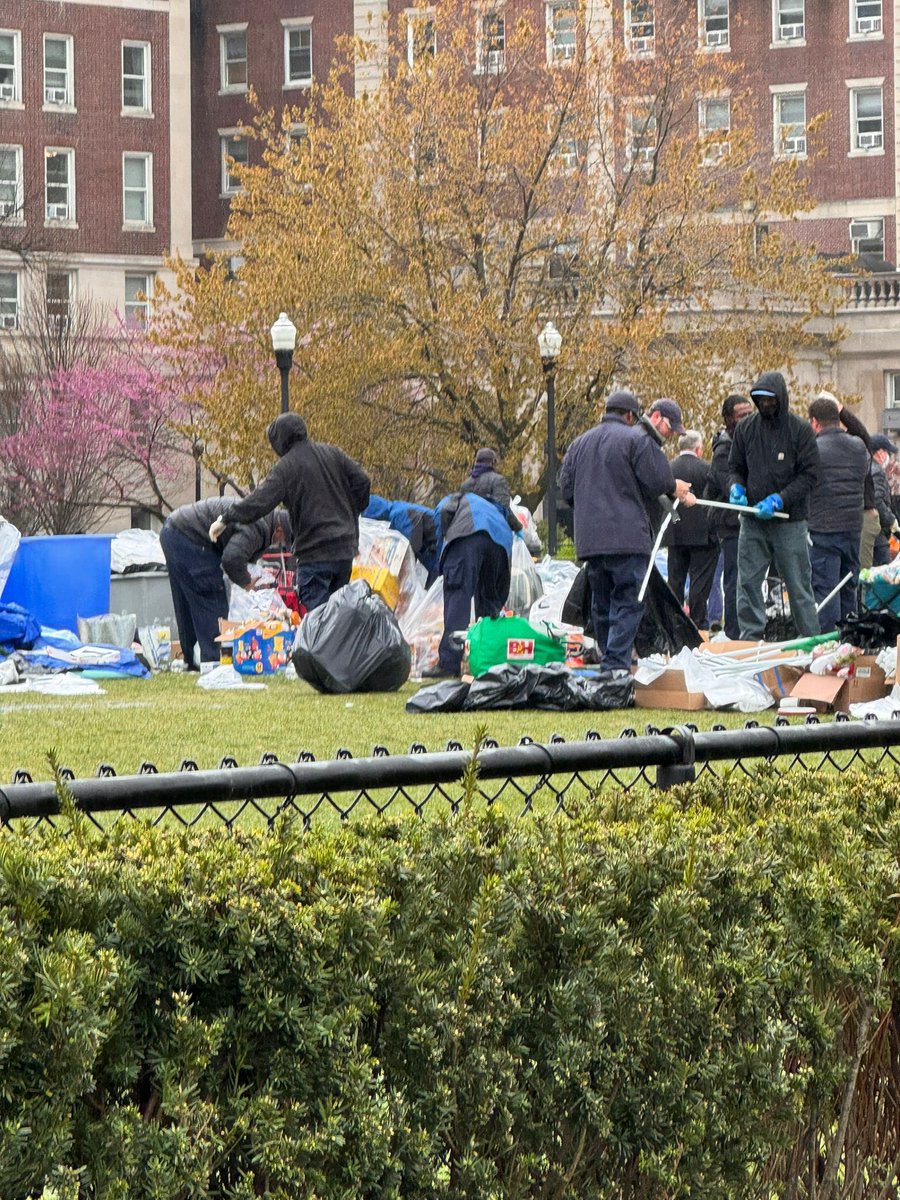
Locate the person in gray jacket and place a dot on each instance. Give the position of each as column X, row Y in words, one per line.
column 486, row 481
column 196, row 564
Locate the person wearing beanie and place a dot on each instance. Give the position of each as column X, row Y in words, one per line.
column 883, row 457
column 486, row 481
column 613, row 475
column 726, row 525
column 324, row 491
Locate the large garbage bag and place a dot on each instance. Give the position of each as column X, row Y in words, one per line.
column 665, row 628
column 352, row 644
column 551, row 687
column 446, row 696
column 524, row 583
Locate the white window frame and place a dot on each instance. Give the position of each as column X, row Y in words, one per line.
column 781, row 92
column 869, row 142
column 11, row 96
column 296, row 25
column 641, row 156
column 570, row 49
column 714, row 148
column 857, row 235
column 796, row 29
column 490, row 60
column 137, row 312
column 866, row 26
column 892, row 389
column 717, row 38
column 14, row 215
column 645, row 44
column 60, row 320
column 58, row 98
column 10, row 310
column 226, row 88
column 417, row 21
column 146, row 190
column 134, row 110
column 51, row 212
column 225, row 136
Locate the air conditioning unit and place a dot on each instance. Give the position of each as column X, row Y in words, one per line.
column 7, row 91
column 868, row 25
column 866, row 231
column 57, row 212
column 58, row 322
column 643, row 155
column 493, row 60
column 790, row 33
column 713, row 151
column 7, row 208
column 869, row 141
column 717, row 37
column 56, row 95
column 794, row 145
column 643, row 45
column 8, row 321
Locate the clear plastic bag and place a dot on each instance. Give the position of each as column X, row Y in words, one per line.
column 525, row 585
column 386, row 561
column 262, row 605
column 422, row 627
column 9, row 548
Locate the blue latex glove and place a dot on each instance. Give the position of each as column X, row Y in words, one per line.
column 771, row 505
column 737, row 495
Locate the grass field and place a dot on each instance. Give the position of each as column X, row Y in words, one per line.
column 169, row 718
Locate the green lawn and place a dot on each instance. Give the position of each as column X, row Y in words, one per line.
column 168, row 718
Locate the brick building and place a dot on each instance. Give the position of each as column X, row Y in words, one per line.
column 118, row 119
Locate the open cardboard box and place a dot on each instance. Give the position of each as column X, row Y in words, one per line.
column 831, row 693
column 668, row 691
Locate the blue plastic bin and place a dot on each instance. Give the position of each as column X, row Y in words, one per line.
column 59, row 579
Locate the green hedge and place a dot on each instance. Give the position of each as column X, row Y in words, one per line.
column 689, row 994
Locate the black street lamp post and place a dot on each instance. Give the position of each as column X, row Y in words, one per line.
column 549, row 344
column 284, row 339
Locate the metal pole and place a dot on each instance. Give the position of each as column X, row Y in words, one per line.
column 285, row 360
column 550, row 372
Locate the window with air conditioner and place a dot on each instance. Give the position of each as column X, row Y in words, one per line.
column 790, row 123
column 789, row 20
column 59, row 184
column 232, row 58
column 9, row 300
column 867, row 107
column 10, row 183
column 58, row 74
column 137, row 190
column 491, row 47
column 298, row 64
column 866, row 18
column 641, row 137
column 137, row 300
column 640, row 26
column 10, row 66
column 421, row 37
column 867, row 237
column 715, row 26
column 235, row 152
column 715, row 126
column 58, row 291
column 136, row 78
column 562, row 33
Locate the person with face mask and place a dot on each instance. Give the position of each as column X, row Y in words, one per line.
column 725, row 524
column 774, row 464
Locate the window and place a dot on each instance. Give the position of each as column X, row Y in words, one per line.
column 58, row 295
column 491, row 41
column 866, row 119
column 233, row 58
column 892, row 385
column 9, row 300
column 570, row 153
column 10, row 183
column 233, row 146
column 420, row 37
column 867, row 237
column 137, row 189
column 789, row 21
column 562, row 269
column 59, row 185
column 562, row 41
column 714, row 24
column 298, row 71
column 790, row 123
column 865, row 17
column 137, row 303
column 58, row 81
column 639, row 25
column 10, row 66
column 715, row 126
column 136, row 77
column 641, row 136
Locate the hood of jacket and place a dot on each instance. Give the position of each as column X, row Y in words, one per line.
column 772, row 381
column 285, row 431
column 722, row 438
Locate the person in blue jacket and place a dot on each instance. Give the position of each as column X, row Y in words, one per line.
column 415, row 522
column 475, row 552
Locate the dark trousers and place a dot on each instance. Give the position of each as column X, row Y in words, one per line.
column 316, row 581
column 714, row 610
column 700, row 563
column 832, row 556
column 881, row 554
column 730, row 586
column 474, row 568
column 615, row 581
column 198, row 591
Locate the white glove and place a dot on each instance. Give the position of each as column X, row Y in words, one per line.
column 216, row 529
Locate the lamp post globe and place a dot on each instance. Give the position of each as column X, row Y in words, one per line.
column 550, row 344
column 284, row 339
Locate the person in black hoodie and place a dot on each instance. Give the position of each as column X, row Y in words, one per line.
column 726, row 525
column 774, row 463
column 324, row 491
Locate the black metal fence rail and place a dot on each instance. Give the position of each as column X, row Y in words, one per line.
column 556, row 770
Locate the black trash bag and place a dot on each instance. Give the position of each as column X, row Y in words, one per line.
column 352, row 644
column 552, row 687
column 871, row 631
column 664, row 629
column 446, row 696
column 503, row 686
column 605, row 695
column 555, row 688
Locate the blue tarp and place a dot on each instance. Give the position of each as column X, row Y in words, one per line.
column 18, row 628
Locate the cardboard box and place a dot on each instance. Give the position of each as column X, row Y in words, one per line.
column 831, row 693
column 779, row 679
column 818, row 691
column 264, row 649
column 668, row 691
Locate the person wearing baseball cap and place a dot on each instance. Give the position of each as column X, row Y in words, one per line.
column 665, row 417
